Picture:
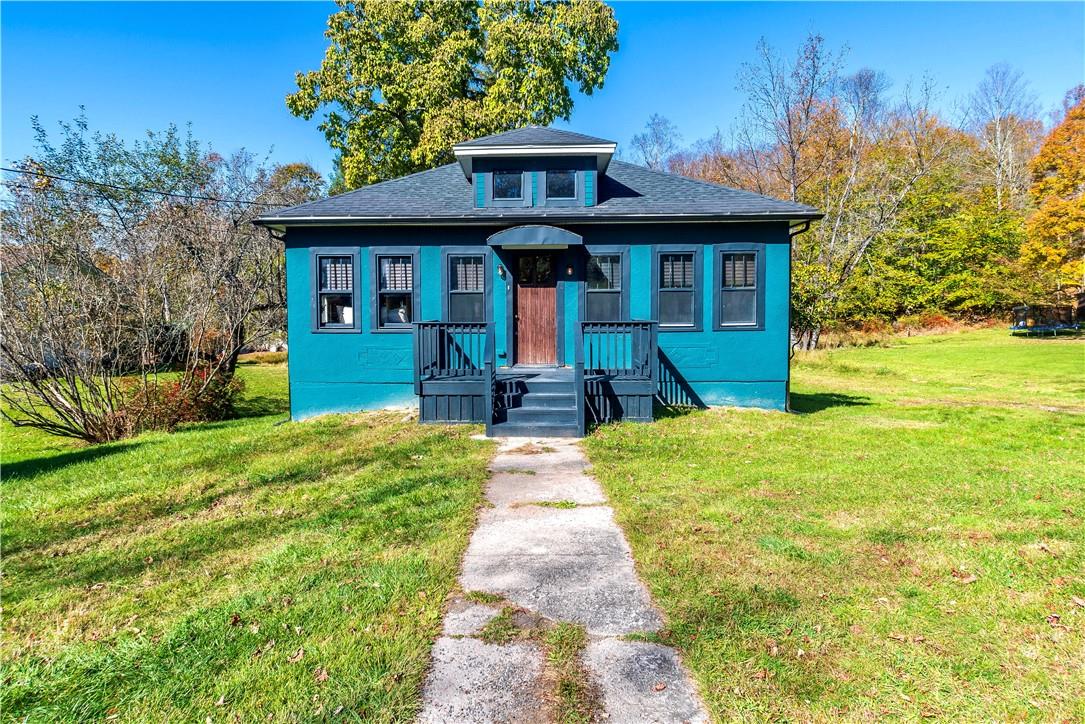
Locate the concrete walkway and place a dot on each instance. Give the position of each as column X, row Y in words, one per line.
column 549, row 564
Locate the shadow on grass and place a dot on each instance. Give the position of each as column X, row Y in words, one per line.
column 44, row 465
column 809, row 403
column 261, row 406
column 404, row 508
column 141, row 511
column 666, row 412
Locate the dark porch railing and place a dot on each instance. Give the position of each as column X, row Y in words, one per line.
column 454, row 373
column 625, row 350
column 616, row 373
column 449, row 350
column 619, row 365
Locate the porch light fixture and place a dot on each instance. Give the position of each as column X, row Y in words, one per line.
column 569, row 270
column 501, row 270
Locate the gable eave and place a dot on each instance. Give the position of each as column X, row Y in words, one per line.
column 466, row 155
column 281, row 223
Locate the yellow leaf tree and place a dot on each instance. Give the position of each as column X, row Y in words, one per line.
column 1055, row 250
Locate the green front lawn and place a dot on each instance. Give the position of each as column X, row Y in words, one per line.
column 912, row 545
column 233, row 570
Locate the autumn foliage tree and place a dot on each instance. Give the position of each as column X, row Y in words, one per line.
column 1054, row 255
column 815, row 136
column 923, row 216
column 405, row 81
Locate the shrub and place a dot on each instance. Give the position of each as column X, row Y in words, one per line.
column 925, row 321
column 201, row 396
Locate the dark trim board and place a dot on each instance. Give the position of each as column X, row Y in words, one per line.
column 374, row 282
column 510, row 260
column 501, row 219
column 487, row 270
column 564, row 259
column 315, row 253
column 698, row 285
column 718, row 250
column 602, row 249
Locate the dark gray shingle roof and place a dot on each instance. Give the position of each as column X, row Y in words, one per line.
column 534, row 136
column 443, row 195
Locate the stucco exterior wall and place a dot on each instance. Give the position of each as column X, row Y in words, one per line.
column 369, row 369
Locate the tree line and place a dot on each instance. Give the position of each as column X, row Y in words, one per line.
column 965, row 218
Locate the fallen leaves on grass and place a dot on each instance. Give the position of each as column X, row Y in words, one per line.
column 320, row 674
column 903, row 638
column 1078, row 601
column 263, row 649
column 964, row 577
column 296, row 656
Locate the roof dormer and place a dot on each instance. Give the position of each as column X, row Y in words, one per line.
column 534, row 142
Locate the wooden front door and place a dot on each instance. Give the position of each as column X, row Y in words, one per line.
column 536, row 309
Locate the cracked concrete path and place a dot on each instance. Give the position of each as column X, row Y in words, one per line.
column 550, row 548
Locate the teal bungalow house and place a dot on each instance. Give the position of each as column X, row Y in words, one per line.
column 538, row 286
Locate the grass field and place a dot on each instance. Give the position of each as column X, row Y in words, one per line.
column 911, row 545
column 232, row 570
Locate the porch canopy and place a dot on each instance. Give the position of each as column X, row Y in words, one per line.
column 535, row 236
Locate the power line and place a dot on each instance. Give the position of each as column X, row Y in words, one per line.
column 68, row 192
column 193, row 197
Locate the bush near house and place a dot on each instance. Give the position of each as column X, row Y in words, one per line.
column 232, row 570
column 910, row 545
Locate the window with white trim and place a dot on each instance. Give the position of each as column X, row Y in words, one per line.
column 335, row 291
column 395, row 291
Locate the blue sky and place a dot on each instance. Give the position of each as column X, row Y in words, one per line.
column 226, row 67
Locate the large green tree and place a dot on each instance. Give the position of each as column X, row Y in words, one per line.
column 404, row 81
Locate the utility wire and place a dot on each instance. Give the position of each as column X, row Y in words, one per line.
column 67, row 192
column 131, row 189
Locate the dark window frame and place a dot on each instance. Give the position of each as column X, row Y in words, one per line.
column 698, row 285
column 619, row 250
column 375, row 254
column 546, row 184
column 447, row 253
column 525, row 189
column 577, row 199
column 315, row 254
column 718, row 252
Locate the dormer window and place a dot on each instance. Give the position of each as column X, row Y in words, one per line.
column 508, row 185
column 560, row 185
